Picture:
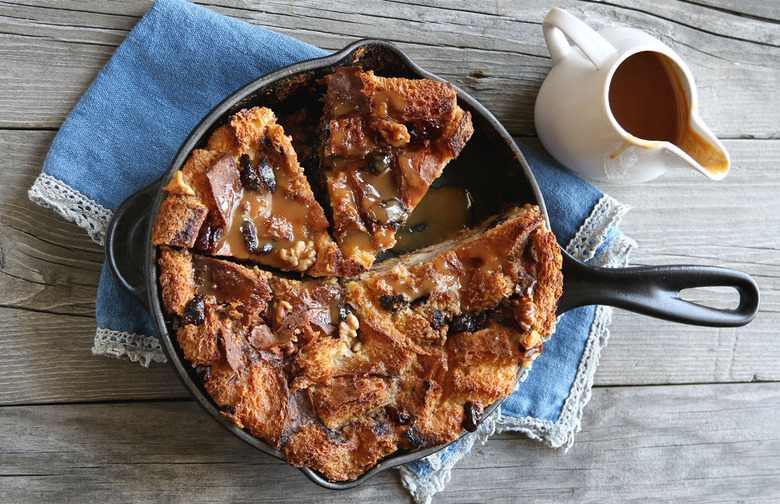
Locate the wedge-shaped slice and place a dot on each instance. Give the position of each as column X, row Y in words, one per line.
column 246, row 196
column 386, row 141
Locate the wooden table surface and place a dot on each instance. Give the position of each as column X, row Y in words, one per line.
column 678, row 413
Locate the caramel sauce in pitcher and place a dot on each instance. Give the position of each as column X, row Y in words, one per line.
column 647, row 99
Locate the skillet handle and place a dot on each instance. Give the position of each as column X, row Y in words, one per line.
column 655, row 291
column 126, row 242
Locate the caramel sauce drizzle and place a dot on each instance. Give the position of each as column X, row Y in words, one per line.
column 279, row 219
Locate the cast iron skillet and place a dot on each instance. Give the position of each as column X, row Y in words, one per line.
column 493, row 170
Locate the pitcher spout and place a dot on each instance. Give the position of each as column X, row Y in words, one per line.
column 702, row 150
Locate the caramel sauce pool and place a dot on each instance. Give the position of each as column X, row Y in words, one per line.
column 441, row 214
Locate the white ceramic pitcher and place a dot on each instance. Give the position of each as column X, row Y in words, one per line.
column 574, row 113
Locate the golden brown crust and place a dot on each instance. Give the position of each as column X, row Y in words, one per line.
column 340, row 456
column 178, row 222
column 177, row 279
column 339, row 375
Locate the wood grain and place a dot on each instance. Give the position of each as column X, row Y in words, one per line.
column 681, row 218
column 670, row 444
column 679, row 413
column 46, row 264
column 493, row 51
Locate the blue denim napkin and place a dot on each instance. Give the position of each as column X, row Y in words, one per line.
column 179, row 62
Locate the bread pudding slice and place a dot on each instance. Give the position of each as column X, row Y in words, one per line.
column 245, row 196
column 386, row 140
column 338, row 374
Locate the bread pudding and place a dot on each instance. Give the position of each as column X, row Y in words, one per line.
column 333, row 361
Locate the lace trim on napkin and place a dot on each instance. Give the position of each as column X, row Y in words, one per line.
column 591, row 234
column 53, row 193
column 136, row 347
column 583, row 246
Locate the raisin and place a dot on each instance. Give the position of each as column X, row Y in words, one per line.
column 473, row 416
column 437, row 319
column 194, row 312
column 336, row 436
column 394, row 303
column 202, row 372
column 468, row 322
column 380, row 163
column 266, row 173
column 175, row 322
column 249, row 232
column 497, row 222
column 216, row 235
column 421, row 300
column 424, row 129
column 202, row 243
column 414, row 439
column 397, row 416
column 380, row 428
column 344, row 310
column 208, row 237
column 249, row 178
column 265, row 249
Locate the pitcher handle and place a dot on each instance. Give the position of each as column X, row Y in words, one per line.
column 559, row 24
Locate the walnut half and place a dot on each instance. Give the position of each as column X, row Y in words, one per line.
column 349, row 326
column 178, row 186
column 300, row 256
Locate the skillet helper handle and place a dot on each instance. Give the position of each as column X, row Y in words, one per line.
column 655, row 291
column 125, row 245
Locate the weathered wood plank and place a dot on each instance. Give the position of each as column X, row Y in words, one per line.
column 675, row 444
column 46, row 264
column 638, row 444
column 46, row 358
column 734, row 223
column 494, row 51
column 49, row 271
